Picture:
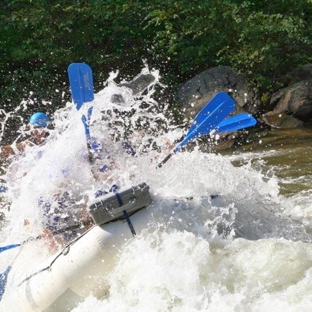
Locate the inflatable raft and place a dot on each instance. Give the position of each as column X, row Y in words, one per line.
column 58, row 283
column 80, row 269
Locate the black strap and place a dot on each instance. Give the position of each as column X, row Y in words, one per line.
column 125, row 213
column 64, row 252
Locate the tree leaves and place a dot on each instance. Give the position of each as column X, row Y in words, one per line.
column 263, row 39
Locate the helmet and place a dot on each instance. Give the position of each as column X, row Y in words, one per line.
column 39, row 120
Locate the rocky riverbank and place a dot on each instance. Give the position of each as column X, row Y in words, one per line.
column 288, row 108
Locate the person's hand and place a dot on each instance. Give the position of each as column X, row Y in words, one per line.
column 167, row 144
column 85, row 218
column 52, row 242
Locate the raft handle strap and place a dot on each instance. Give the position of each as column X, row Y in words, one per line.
column 125, row 213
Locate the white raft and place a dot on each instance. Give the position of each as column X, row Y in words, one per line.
column 58, row 283
column 81, row 268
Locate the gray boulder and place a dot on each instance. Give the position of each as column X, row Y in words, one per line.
column 301, row 73
column 292, row 106
column 138, row 85
column 196, row 92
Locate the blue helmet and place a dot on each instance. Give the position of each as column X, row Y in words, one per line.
column 39, row 120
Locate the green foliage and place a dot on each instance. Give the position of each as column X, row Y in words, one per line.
column 263, row 40
column 271, row 40
column 39, row 39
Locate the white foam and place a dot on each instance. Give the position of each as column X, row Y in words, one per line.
column 196, row 264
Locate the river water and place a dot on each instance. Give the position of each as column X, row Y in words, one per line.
column 247, row 249
column 288, row 154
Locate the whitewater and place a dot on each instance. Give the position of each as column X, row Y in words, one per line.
column 223, row 237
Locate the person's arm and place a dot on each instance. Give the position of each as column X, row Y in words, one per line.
column 7, row 151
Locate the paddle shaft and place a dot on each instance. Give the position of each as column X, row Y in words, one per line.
column 231, row 124
column 165, row 160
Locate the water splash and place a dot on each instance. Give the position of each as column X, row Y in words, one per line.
column 189, row 258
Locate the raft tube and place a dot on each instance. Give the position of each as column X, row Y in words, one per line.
column 81, row 268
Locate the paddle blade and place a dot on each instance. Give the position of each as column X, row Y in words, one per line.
column 81, row 83
column 237, row 122
column 211, row 106
column 209, row 117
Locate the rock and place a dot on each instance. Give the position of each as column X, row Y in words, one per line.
column 281, row 120
column 292, row 106
column 301, row 73
column 196, row 92
column 140, row 83
column 295, row 100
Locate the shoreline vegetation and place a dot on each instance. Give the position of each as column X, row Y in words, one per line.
column 263, row 41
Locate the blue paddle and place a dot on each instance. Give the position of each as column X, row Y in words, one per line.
column 237, row 122
column 206, row 120
column 81, row 85
column 209, row 117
